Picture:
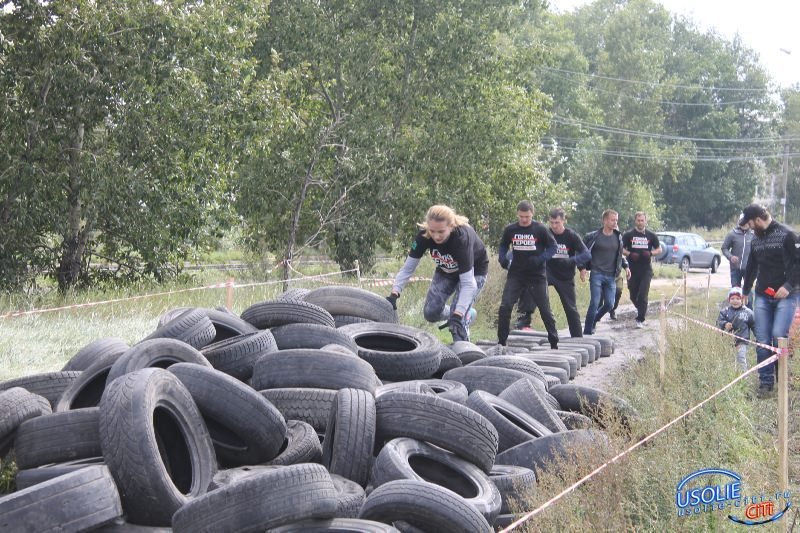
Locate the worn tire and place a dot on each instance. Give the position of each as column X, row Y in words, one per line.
column 315, row 336
column 87, row 389
column 416, row 386
column 441, row 422
column 350, row 497
column 513, row 482
column 245, row 428
column 100, row 348
column 300, row 446
column 467, row 352
column 312, row 406
column 263, row 501
column 16, row 406
column 574, row 420
column 50, row 385
column 33, row 476
column 413, row 459
column 337, row 525
column 270, row 314
column 78, row 501
column 449, row 361
column 158, row 353
column 541, row 453
column 423, row 505
column 513, row 425
column 156, row 445
column 192, row 327
column 353, row 301
column 350, row 435
column 449, row 390
column 512, row 362
column 486, row 378
column 346, row 320
column 524, row 395
column 314, row 369
column 58, row 437
column 594, row 403
column 396, row 352
column 236, row 355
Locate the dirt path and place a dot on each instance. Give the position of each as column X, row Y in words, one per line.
column 630, row 342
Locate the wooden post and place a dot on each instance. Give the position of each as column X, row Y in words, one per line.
column 783, row 413
column 358, row 273
column 229, row 294
column 708, row 293
column 662, row 339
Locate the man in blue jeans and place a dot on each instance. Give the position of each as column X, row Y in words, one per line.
column 605, row 246
column 773, row 265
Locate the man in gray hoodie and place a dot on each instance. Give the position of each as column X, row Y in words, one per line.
column 736, row 248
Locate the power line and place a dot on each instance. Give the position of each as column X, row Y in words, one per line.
column 646, row 156
column 702, row 150
column 653, row 83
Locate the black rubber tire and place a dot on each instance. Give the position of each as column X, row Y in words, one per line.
column 86, row 356
column 547, row 360
column 513, row 425
column 606, row 345
column 414, row 459
column 87, row 389
column 594, row 354
column 486, row 378
column 78, row 501
column 293, row 295
column 50, row 385
column 514, row 483
column 33, row 476
column 270, row 314
column 171, row 314
column 292, row 336
column 524, row 395
column 446, row 424
column 300, row 446
column 423, row 505
column 346, row 320
column 541, row 453
column 582, row 350
column 715, row 264
column 16, row 406
column 512, row 362
column 312, row 406
column 192, row 327
column 120, row 525
column 236, row 355
column 555, row 376
column 467, row 352
column 227, row 476
column 245, row 428
column 337, row 525
column 417, row 386
column 227, row 324
column 574, row 420
column 447, row 389
column 685, row 264
column 350, row 497
column 396, row 352
column 353, row 301
column 314, row 369
column 594, row 403
column 156, row 445
column 449, row 361
column 155, row 353
column 262, row 501
column 350, row 435
column 58, row 437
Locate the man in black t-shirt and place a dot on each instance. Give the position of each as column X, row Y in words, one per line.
column 639, row 245
column 570, row 253
column 531, row 246
column 461, row 268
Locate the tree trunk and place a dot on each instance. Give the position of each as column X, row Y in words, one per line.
column 73, row 245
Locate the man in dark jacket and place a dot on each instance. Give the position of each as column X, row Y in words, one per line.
column 639, row 246
column 605, row 247
column 773, row 262
column 531, row 246
column 735, row 248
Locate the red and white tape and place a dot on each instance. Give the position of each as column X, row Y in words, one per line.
column 714, row 328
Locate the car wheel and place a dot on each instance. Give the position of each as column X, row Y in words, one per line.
column 685, row 264
column 715, row 264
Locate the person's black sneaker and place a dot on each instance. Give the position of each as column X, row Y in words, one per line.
column 612, row 315
column 523, row 321
column 765, row 390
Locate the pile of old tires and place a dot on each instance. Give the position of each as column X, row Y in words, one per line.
column 312, row 412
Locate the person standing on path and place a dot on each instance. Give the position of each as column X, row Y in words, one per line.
column 462, row 265
column 570, row 253
column 531, row 246
column 605, row 247
column 736, row 248
column 774, row 267
column 639, row 245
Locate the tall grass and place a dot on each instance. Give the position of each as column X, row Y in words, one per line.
column 735, row 431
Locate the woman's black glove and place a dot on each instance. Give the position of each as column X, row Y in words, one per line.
column 457, row 329
column 392, row 298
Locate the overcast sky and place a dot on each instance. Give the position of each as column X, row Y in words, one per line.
column 770, row 27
